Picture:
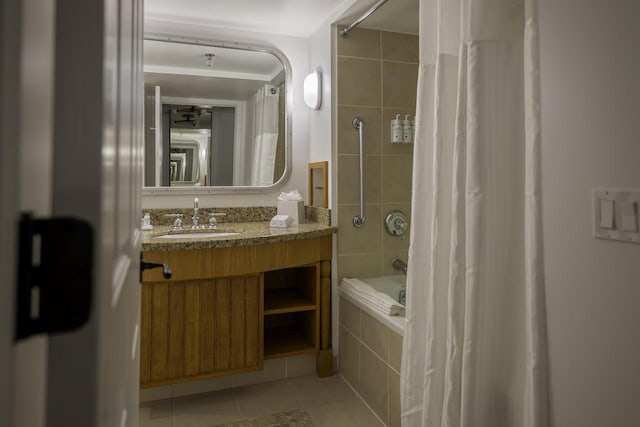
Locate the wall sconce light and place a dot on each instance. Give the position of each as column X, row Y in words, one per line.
column 313, row 90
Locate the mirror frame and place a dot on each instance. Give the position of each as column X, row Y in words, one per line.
column 240, row 189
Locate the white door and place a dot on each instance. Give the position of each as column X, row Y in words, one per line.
column 96, row 176
column 9, row 134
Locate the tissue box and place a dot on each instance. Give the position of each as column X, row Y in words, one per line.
column 293, row 208
column 281, row 221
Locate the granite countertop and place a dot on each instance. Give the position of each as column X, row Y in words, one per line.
column 251, row 233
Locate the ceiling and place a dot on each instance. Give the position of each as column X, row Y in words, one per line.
column 300, row 18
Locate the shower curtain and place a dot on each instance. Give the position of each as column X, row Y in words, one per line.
column 265, row 134
column 474, row 351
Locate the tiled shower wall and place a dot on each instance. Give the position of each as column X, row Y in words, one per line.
column 377, row 78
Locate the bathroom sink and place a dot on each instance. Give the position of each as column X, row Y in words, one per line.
column 199, row 235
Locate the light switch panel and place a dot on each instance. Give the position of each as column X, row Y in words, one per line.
column 615, row 214
column 607, row 210
column 628, row 216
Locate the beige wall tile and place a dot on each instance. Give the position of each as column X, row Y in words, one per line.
column 348, row 137
column 396, row 179
column 349, row 179
column 361, row 43
column 203, row 386
column 349, row 358
column 274, row 369
column 399, row 84
column 399, row 47
column 374, row 382
column 360, row 265
column 395, row 350
column 394, row 399
column 359, row 82
column 352, row 240
column 350, row 317
column 389, row 114
column 363, row 90
column 304, row 364
column 155, row 393
column 375, row 335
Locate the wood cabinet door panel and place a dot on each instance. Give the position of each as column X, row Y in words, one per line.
column 176, row 303
column 201, row 328
column 254, row 321
column 192, row 331
column 159, row 337
column 223, row 332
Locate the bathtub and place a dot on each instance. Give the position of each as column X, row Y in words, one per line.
column 370, row 349
column 390, row 285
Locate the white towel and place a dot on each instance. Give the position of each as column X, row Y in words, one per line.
column 376, row 300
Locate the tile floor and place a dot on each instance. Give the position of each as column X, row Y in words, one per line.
column 330, row 402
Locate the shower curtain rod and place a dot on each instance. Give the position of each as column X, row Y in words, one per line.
column 345, row 31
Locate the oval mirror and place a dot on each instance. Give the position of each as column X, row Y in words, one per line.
column 217, row 117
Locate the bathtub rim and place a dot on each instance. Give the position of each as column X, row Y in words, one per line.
column 395, row 323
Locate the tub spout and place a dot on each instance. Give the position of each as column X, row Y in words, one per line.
column 398, row 264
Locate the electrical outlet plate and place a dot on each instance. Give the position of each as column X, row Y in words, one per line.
column 623, row 200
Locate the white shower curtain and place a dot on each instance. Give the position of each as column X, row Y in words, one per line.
column 265, row 134
column 475, row 344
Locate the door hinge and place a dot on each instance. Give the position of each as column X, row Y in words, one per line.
column 55, row 275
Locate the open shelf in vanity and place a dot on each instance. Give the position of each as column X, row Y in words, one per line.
column 291, row 311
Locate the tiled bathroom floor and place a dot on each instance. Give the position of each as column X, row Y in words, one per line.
column 330, row 402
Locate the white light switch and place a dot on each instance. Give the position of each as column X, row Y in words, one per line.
column 628, row 216
column 606, row 213
column 615, row 214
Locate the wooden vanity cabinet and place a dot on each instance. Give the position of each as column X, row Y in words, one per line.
column 199, row 328
column 227, row 309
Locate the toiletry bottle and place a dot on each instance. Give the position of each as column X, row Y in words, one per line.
column 396, row 129
column 406, row 130
column 146, row 220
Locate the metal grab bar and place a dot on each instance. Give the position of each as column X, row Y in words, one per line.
column 358, row 220
column 345, row 31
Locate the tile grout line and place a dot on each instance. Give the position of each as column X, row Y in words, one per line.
column 235, row 399
column 359, row 396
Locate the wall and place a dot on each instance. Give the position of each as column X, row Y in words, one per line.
column 296, row 49
column 320, row 129
column 376, row 79
column 590, row 75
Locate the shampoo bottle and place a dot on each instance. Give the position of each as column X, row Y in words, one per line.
column 406, row 130
column 396, row 130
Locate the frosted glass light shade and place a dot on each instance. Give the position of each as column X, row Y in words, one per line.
column 313, row 90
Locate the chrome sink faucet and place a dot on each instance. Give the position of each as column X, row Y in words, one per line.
column 195, row 219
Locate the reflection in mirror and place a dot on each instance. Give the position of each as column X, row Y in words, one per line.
column 214, row 116
column 319, row 184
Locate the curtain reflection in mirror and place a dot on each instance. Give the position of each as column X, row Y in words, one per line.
column 265, row 134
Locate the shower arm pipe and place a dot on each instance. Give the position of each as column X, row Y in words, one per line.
column 358, row 220
column 345, row 31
